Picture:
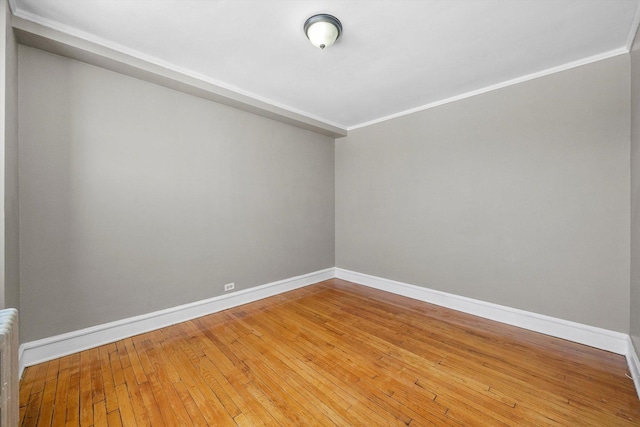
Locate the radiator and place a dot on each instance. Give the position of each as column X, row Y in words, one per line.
column 9, row 383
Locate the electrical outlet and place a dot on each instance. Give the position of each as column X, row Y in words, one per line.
column 229, row 287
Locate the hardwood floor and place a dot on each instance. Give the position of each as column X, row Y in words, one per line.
column 333, row 353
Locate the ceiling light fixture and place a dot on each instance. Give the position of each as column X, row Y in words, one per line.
column 322, row 30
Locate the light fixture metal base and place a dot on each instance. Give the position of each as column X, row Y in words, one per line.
column 326, row 19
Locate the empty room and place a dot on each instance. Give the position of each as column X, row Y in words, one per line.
column 320, row 213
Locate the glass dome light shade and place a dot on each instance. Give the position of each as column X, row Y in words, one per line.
column 322, row 30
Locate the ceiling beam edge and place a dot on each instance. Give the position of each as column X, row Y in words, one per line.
column 40, row 37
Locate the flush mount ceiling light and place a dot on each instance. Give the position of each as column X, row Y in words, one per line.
column 322, row 30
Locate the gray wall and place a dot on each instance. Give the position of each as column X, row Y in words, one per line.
column 9, row 266
column 518, row 197
column 135, row 198
column 11, row 219
column 635, row 194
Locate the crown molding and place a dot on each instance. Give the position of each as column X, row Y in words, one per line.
column 548, row 71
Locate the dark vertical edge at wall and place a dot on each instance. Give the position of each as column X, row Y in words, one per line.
column 11, row 220
column 635, row 194
column 9, row 77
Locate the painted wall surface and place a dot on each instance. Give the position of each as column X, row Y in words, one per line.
column 135, row 198
column 11, row 207
column 9, row 265
column 518, row 197
column 635, row 194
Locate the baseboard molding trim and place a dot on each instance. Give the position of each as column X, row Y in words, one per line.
column 634, row 365
column 615, row 342
column 34, row 352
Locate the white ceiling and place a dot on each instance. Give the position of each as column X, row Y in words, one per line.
column 394, row 55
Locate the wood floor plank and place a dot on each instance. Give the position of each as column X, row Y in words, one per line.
column 86, row 394
column 73, row 396
column 384, row 348
column 48, row 401
column 23, row 413
column 124, row 406
column 26, row 384
column 97, row 384
column 195, row 416
column 134, row 361
column 60, row 409
column 333, row 353
column 142, row 345
column 100, row 414
column 114, row 419
column 297, row 402
column 211, row 410
column 305, row 384
column 373, row 391
column 137, row 404
column 39, row 378
column 170, row 410
column 116, row 367
column 207, row 400
column 225, row 392
column 361, row 372
column 33, row 409
column 239, row 391
column 167, row 373
column 176, row 403
column 52, row 370
column 156, row 417
column 110, row 396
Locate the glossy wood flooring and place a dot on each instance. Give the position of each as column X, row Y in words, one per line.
column 333, row 353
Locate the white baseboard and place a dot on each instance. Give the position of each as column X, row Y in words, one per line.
column 634, row 365
column 46, row 349
column 34, row 352
column 604, row 339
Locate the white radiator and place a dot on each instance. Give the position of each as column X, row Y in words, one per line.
column 9, row 391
